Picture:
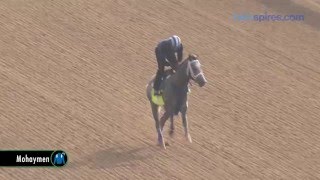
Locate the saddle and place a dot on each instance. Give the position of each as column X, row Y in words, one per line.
column 158, row 100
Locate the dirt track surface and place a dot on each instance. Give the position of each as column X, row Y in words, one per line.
column 73, row 76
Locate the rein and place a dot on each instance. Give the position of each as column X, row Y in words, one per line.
column 190, row 70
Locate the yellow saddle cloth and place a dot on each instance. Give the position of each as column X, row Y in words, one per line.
column 158, row 100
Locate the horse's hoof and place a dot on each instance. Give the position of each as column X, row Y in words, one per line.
column 162, row 144
column 171, row 133
column 167, row 144
column 189, row 139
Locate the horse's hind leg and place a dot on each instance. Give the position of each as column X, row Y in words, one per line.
column 171, row 132
column 185, row 122
column 155, row 113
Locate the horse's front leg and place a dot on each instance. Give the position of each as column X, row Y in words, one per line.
column 163, row 120
column 171, row 132
column 185, row 122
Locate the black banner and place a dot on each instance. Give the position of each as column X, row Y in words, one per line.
column 33, row 158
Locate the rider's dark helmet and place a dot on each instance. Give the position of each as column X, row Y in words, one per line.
column 176, row 42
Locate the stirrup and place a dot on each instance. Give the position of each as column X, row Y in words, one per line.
column 157, row 93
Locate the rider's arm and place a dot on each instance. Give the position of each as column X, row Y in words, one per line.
column 170, row 54
column 172, row 60
column 180, row 53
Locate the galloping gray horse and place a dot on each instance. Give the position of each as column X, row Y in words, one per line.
column 175, row 93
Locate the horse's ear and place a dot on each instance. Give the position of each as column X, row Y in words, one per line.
column 193, row 57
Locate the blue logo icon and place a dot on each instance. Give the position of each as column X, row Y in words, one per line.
column 59, row 158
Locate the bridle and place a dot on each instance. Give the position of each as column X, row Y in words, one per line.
column 190, row 70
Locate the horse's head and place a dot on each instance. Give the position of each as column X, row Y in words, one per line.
column 194, row 70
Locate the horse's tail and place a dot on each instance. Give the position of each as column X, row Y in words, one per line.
column 150, row 81
column 149, row 87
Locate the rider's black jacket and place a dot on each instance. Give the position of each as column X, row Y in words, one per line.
column 167, row 53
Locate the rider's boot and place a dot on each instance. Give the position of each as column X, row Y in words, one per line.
column 157, row 92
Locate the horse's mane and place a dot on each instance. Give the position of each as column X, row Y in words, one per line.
column 189, row 58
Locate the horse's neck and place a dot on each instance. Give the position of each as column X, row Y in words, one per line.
column 180, row 78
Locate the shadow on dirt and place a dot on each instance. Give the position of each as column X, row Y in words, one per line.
column 116, row 157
